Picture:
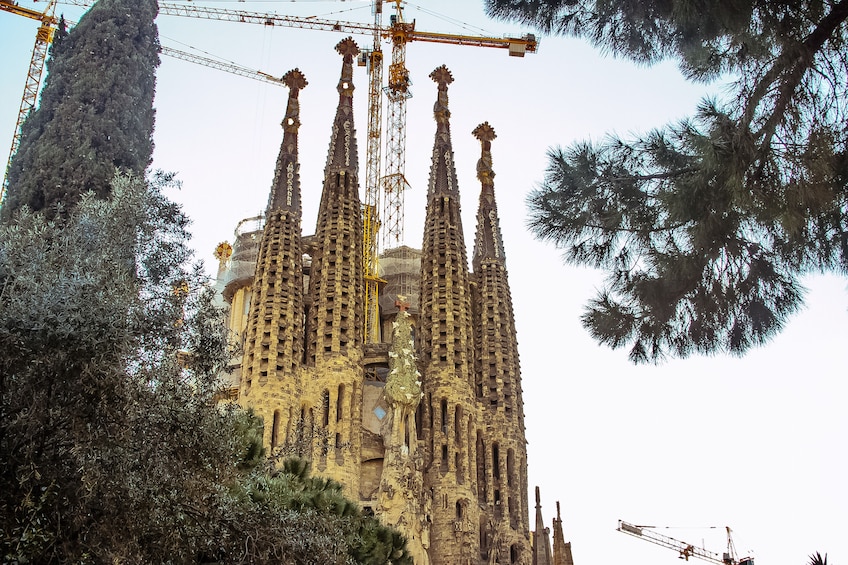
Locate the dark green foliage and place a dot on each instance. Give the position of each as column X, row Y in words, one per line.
column 95, row 114
column 705, row 226
column 110, row 445
column 114, row 449
column 331, row 528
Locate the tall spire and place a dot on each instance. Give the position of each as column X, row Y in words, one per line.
column 342, row 152
column 273, row 346
column 332, row 398
column 443, row 169
column 541, row 537
column 445, row 343
column 335, row 283
column 562, row 549
column 285, row 190
column 497, row 371
column 488, row 244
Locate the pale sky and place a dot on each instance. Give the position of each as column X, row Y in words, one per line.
column 757, row 444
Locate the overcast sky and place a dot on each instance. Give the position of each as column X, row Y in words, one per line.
column 757, row 444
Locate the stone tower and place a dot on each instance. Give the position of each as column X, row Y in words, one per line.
column 450, row 418
column 562, row 549
column 426, row 427
column 273, row 339
column 501, row 444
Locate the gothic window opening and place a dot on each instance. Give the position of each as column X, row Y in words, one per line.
column 456, row 423
column 340, row 403
column 275, row 429
column 325, row 405
column 481, row 466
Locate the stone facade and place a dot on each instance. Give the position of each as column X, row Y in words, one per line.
column 425, row 427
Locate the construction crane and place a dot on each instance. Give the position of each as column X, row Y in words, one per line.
column 373, row 60
column 225, row 66
column 43, row 39
column 684, row 549
column 394, row 183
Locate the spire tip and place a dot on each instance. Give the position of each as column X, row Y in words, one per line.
column 484, row 132
column 295, row 79
column 442, row 76
column 347, row 47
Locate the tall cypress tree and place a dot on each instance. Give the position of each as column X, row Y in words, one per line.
column 96, row 112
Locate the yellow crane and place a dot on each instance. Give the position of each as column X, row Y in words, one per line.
column 373, row 60
column 394, row 183
column 43, row 39
column 686, row 550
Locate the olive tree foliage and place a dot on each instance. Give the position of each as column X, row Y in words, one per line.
column 706, row 226
column 109, row 355
column 115, row 449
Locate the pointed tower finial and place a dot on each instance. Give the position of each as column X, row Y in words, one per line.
column 541, row 537
column 486, row 134
column 487, row 244
column 296, row 82
column 285, row 189
column 443, row 77
column 348, row 49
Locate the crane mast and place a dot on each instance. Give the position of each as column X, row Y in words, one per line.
column 397, row 93
column 373, row 58
column 43, row 39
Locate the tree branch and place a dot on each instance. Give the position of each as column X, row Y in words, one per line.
column 792, row 65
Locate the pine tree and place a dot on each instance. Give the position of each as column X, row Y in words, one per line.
column 706, row 226
column 817, row 559
column 95, row 113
